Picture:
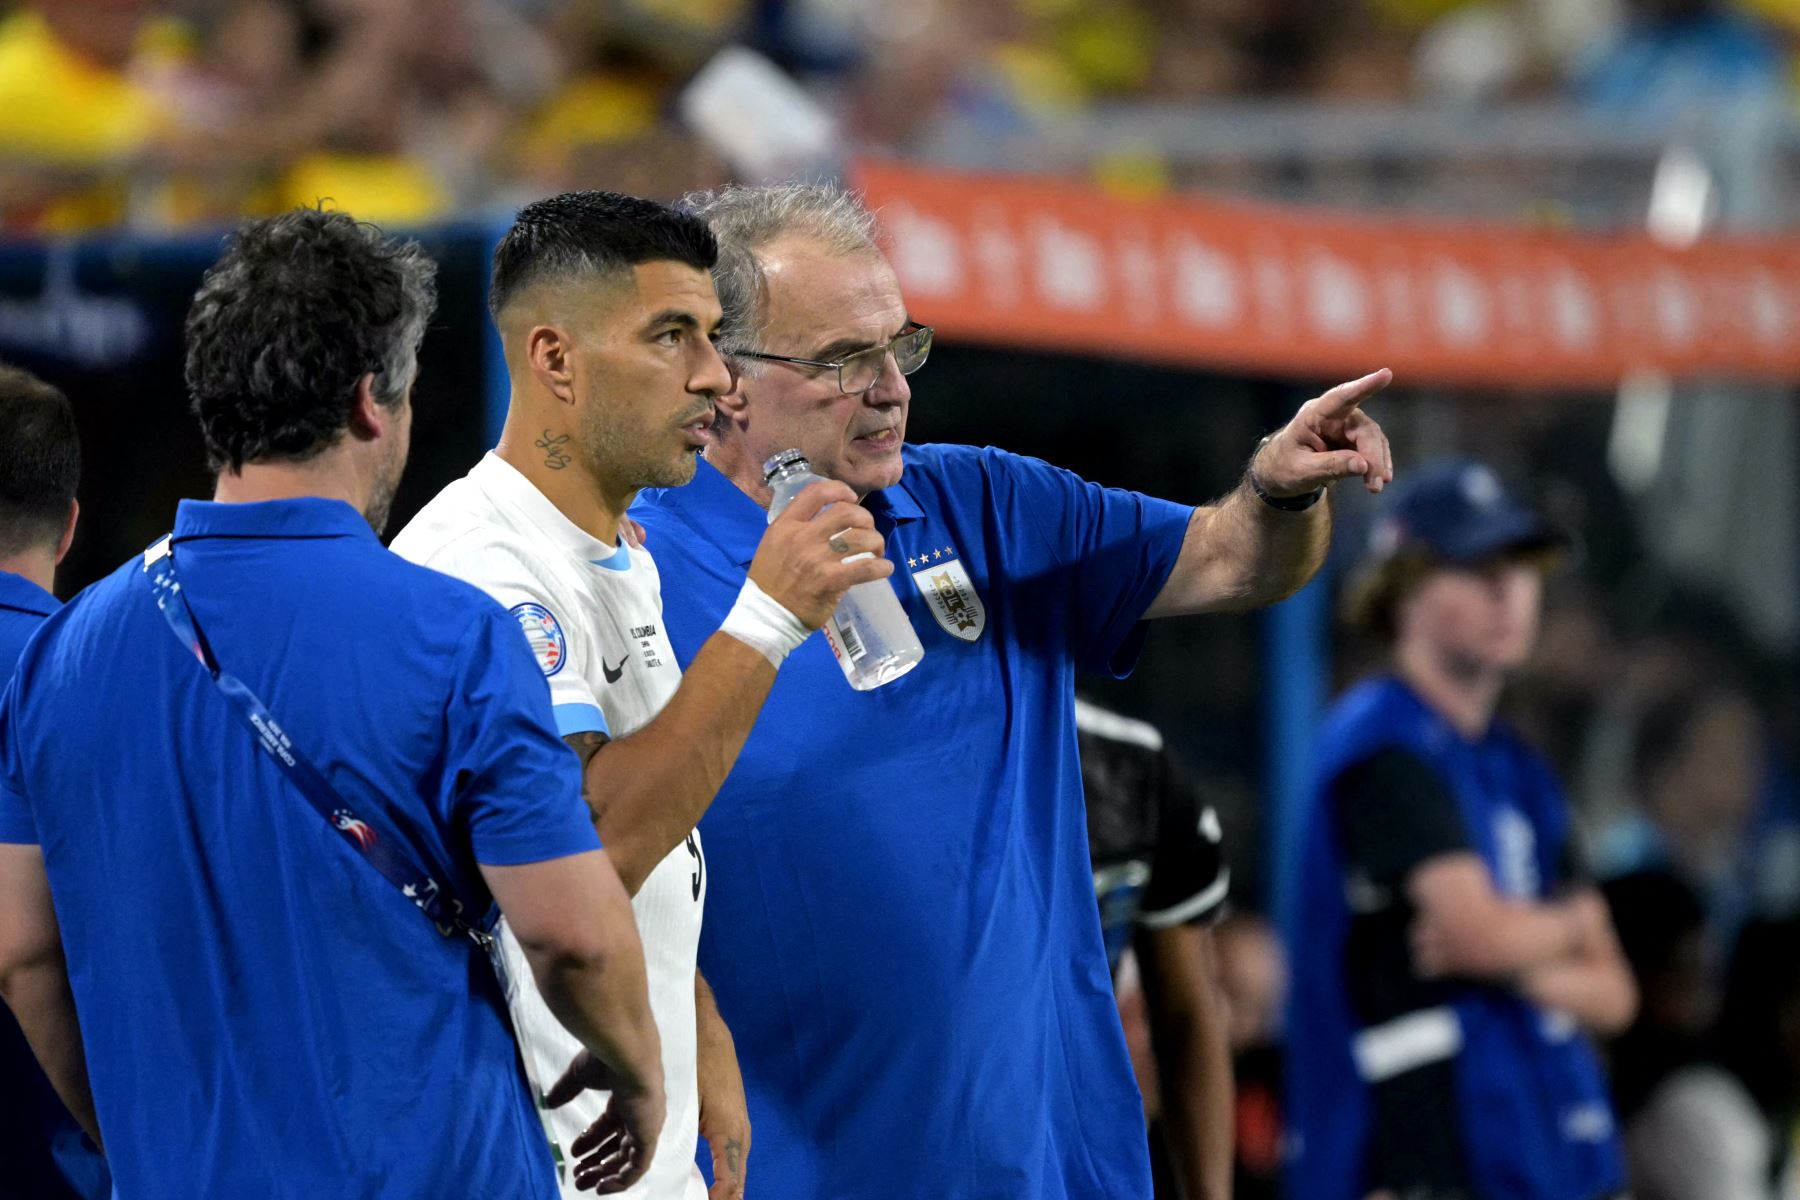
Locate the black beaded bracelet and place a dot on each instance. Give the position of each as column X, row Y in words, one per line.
column 1281, row 503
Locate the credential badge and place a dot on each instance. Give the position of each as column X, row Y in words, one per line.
column 950, row 594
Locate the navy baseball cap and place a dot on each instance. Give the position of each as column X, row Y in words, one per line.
column 1458, row 512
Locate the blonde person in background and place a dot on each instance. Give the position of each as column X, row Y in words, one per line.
column 1451, row 960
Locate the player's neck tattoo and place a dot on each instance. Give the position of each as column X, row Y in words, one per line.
column 552, row 443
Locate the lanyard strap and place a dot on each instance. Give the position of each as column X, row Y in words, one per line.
column 442, row 908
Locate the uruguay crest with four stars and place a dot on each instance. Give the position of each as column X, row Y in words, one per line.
column 949, row 592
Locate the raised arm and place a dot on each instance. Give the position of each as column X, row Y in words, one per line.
column 1248, row 549
column 35, row 980
column 649, row 788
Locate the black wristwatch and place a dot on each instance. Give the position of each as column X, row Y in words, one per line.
column 1281, row 503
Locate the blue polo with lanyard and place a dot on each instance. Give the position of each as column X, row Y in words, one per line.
column 263, row 1012
column 1531, row 1113
column 902, row 932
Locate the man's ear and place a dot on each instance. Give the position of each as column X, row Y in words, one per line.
column 368, row 418
column 68, row 533
column 733, row 403
column 550, row 356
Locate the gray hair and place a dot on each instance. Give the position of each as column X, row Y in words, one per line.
column 400, row 356
column 745, row 219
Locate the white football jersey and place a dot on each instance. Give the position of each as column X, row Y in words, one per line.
column 593, row 616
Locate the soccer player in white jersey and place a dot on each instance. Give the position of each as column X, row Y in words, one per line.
column 606, row 309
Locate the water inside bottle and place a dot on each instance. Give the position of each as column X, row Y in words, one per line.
column 869, row 633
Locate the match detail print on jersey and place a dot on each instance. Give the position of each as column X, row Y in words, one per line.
column 949, row 592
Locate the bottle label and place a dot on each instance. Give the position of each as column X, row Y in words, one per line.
column 853, row 644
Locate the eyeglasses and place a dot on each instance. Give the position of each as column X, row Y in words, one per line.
column 858, row 372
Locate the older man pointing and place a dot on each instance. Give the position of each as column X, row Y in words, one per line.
column 902, row 931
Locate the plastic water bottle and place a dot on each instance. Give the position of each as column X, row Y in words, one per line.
column 869, row 633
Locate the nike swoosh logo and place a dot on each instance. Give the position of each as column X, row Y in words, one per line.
column 612, row 673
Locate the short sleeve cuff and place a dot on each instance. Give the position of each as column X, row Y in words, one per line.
column 1203, row 905
column 17, row 826
column 575, row 836
column 579, row 718
column 1162, row 532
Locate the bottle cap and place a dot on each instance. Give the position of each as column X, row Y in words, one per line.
column 779, row 462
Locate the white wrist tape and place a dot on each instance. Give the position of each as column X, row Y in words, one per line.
column 761, row 622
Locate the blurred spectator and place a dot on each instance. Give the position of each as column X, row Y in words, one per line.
column 1707, row 812
column 1666, row 641
column 73, row 111
column 1573, row 669
column 1759, row 1039
column 1364, row 59
column 202, row 111
column 1692, row 1132
column 606, row 122
column 348, row 100
column 1207, row 49
column 1448, row 953
column 1253, row 973
column 1675, row 56
column 66, row 92
column 1488, row 50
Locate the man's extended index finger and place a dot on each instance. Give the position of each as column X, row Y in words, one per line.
column 1346, row 396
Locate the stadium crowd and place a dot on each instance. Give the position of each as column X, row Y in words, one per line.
column 171, row 114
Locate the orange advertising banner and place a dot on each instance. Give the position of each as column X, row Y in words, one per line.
column 1297, row 291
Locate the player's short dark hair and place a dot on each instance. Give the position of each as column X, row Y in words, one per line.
column 40, row 461
column 299, row 309
column 593, row 235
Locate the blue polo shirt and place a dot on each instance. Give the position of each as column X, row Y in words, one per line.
column 902, row 932
column 23, row 607
column 263, row 1013
column 42, row 1150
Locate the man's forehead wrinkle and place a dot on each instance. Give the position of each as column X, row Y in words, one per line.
column 818, row 300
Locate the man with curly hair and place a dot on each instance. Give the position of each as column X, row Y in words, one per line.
column 222, row 992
